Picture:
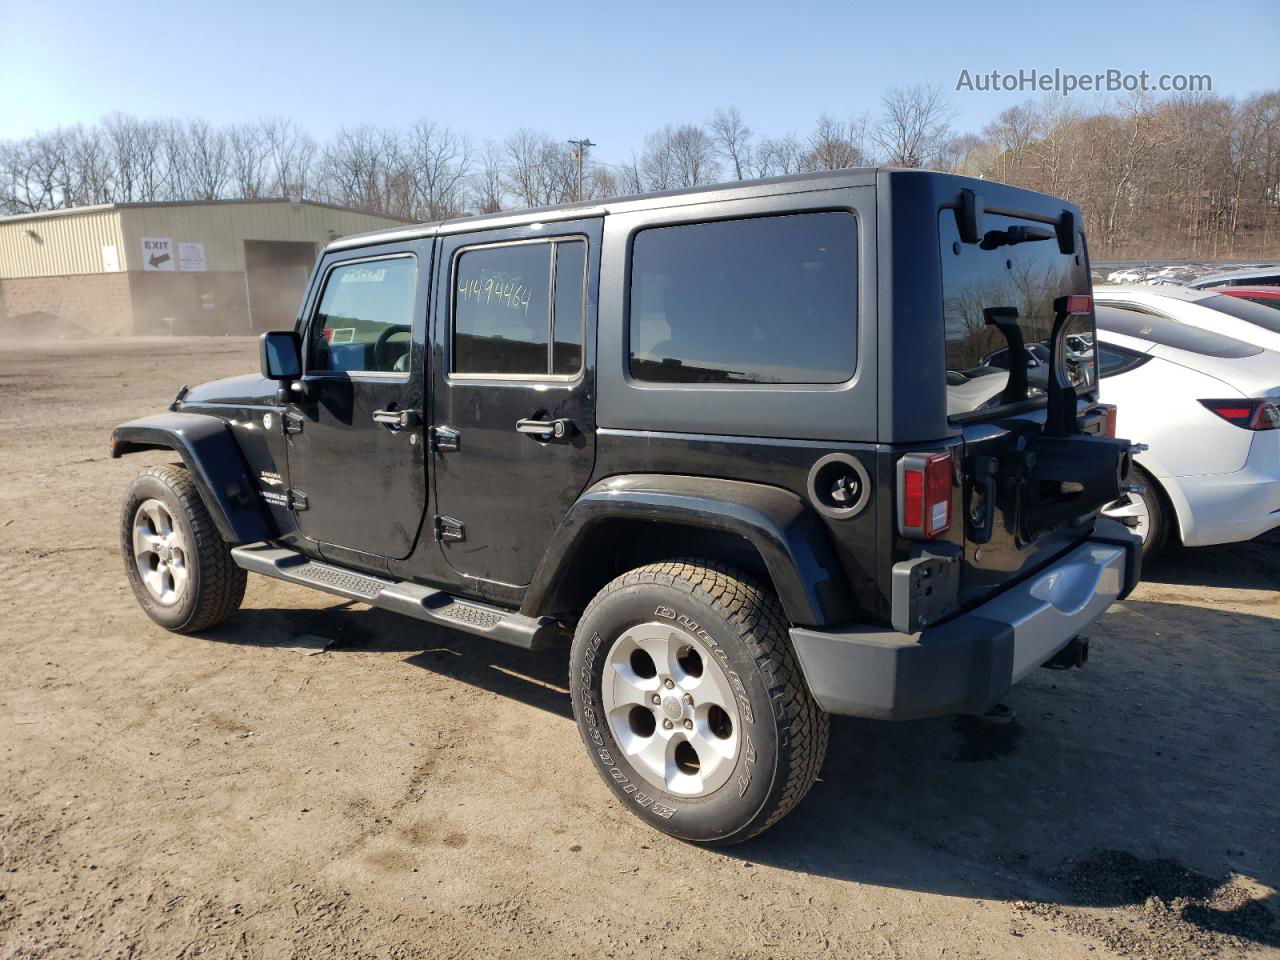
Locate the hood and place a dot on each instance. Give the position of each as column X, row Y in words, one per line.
column 249, row 388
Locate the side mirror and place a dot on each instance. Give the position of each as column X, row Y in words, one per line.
column 281, row 355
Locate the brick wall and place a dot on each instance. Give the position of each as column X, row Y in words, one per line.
column 124, row 304
column 99, row 304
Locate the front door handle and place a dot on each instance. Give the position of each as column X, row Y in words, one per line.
column 547, row 429
column 396, row 418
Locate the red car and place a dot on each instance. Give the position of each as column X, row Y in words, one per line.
column 1270, row 296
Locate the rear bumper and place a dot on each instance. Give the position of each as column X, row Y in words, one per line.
column 966, row 664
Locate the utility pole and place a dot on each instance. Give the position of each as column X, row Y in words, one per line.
column 580, row 148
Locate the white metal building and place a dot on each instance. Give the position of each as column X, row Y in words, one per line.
column 203, row 267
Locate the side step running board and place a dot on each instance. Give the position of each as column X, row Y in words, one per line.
column 400, row 596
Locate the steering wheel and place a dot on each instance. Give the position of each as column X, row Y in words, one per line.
column 382, row 347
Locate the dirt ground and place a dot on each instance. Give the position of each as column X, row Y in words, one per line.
column 317, row 779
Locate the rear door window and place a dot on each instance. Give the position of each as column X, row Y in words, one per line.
column 1023, row 279
column 519, row 309
column 762, row 300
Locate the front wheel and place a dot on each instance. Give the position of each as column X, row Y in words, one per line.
column 691, row 703
column 179, row 567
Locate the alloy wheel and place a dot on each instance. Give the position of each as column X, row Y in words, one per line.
column 671, row 709
column 160, row 552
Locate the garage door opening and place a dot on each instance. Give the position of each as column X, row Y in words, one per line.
column 276, row 273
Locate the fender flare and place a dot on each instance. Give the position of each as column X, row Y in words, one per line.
column 788, row 535
column 210, row 453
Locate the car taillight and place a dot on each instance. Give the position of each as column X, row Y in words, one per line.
column 924, row 494
column 1248, row 414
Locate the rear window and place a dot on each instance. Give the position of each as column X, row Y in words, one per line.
column 1264, row 317
column 1272, row 303
column 982, row 374
column 765, row 300
column 1171, row 333
column 1113, row 360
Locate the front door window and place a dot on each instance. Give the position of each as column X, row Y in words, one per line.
column 365, row 318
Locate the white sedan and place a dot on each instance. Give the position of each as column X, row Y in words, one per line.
column 1240, row 319
column 1208, row 407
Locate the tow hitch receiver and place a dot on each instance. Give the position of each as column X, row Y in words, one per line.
column 1074, row 654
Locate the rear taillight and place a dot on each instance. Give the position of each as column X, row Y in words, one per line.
column 924, row 494
column 1248, row 414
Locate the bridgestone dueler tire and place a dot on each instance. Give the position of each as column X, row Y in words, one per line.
column 743, row 624
column 216, row 585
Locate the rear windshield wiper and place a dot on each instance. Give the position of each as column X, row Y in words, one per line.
column 1007, row 238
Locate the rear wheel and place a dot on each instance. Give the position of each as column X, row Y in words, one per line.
column 179, row 566
column 1143, row 512
column 691, row 703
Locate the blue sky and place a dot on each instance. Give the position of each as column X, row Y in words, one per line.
column 609, row 71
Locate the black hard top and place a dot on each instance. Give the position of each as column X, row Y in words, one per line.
column 733, row 190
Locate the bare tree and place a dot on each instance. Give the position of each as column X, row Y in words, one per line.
column 540, row 171
column 630, row 180
column 1012, row 133
column 361, row 167
column 1186, row 175
column 913, row 125
column 439, row 162
column 602, row 181
column 208, row 161
column 676, row 157
column 248, row 154
column 486, row 182
column 962, row 154
column 288, row 155
column 835, row 145
column 732, row 138
column 136, row 157
column 778, row 158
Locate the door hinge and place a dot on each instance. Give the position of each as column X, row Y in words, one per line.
column 444, row 439
column 297, row 500
column 292, row 422
column 447, row 528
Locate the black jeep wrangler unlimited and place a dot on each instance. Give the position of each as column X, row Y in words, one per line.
column 740, row 443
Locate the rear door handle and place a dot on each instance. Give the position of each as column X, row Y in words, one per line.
column 547, row 429
column 396, row 418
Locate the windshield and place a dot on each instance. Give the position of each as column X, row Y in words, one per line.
column 1171, row 333
column 1243, row 310
column 997, row 302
